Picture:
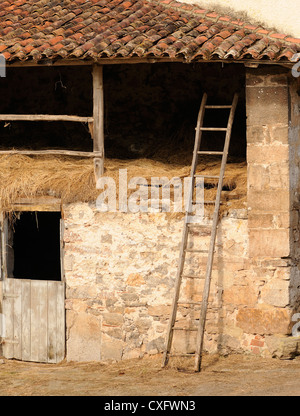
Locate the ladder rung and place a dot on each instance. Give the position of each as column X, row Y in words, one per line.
column 207, row 176
column 188, row 302
column 181, row 355
column 205, row 202
column 190, row 250
column 213, row 128
column 218, row 106
column 179, row 328
column 207, row 152
column 187, row 276
column 205, row 229
column 190, row 224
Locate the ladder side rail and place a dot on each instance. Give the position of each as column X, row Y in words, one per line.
column 197, row 144
column 206, row 290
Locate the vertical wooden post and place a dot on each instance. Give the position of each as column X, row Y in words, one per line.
column 98, row 115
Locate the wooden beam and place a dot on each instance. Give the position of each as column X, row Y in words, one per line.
column 136, row 60
column 51, row 152
column 44, row 203
column 44, row 117
column 98, row 116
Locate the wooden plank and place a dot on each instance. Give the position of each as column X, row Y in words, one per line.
column 43, row 321
column 98, row 116
column 213, row 128
column 25, row 319
column 61, row 238
column 1, row 244
column 8, row 311
column 44, row 117
column 74, row 153
column 49, row 204
column 34, row 321
column 17, row 319
column 215, row 107
column 40, row 200
column 60, row 327
column 4, row 240
column 52, row 321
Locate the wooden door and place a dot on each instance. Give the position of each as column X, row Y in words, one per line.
column 33, row 311
column 34, row 316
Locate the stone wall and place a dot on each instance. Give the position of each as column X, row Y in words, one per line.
column 273, row 177
column 120, row 271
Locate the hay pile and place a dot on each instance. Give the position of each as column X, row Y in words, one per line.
column 72, row 178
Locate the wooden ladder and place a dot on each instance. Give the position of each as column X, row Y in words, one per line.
column 187, row 229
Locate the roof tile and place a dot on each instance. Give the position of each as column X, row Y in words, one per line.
column 94, row 29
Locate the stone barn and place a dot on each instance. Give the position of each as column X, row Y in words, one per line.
column 111, row 89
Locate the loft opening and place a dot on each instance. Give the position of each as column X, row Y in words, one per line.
column 46, row 91
column 151, row 109
column 34, row 241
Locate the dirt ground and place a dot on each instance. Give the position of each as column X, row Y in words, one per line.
column 231, row 376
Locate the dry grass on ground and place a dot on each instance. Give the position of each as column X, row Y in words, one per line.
column 235, row 375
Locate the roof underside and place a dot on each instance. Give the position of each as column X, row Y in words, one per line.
column 91, row 30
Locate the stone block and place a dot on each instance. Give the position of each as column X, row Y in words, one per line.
column 260, row 220
column 258, row 177
column 267, row 105
column 258, row 135
column 269, row 243
column 112, row 319
column 268, row 154
column 264, row 321
column 279, row 133
column 156, row 345
column 284, row 273
column 268, row 220
column 269, row 200
column 240, row 295
column 135, row 279
column 266, row 76
column 111, row 348
column 283, row 347
column 159, row 310
column 276, row 293
column 68, row 262
column 83, row 330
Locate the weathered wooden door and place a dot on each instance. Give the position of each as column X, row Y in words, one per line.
column 34, row 316
column 33, row 311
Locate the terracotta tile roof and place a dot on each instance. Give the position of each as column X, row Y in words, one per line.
column 95, row 29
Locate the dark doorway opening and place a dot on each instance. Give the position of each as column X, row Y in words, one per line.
column 36, row 246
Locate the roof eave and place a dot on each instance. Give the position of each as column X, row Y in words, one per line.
column 135, row 60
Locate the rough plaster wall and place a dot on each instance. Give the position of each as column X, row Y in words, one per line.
column 280, row 15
